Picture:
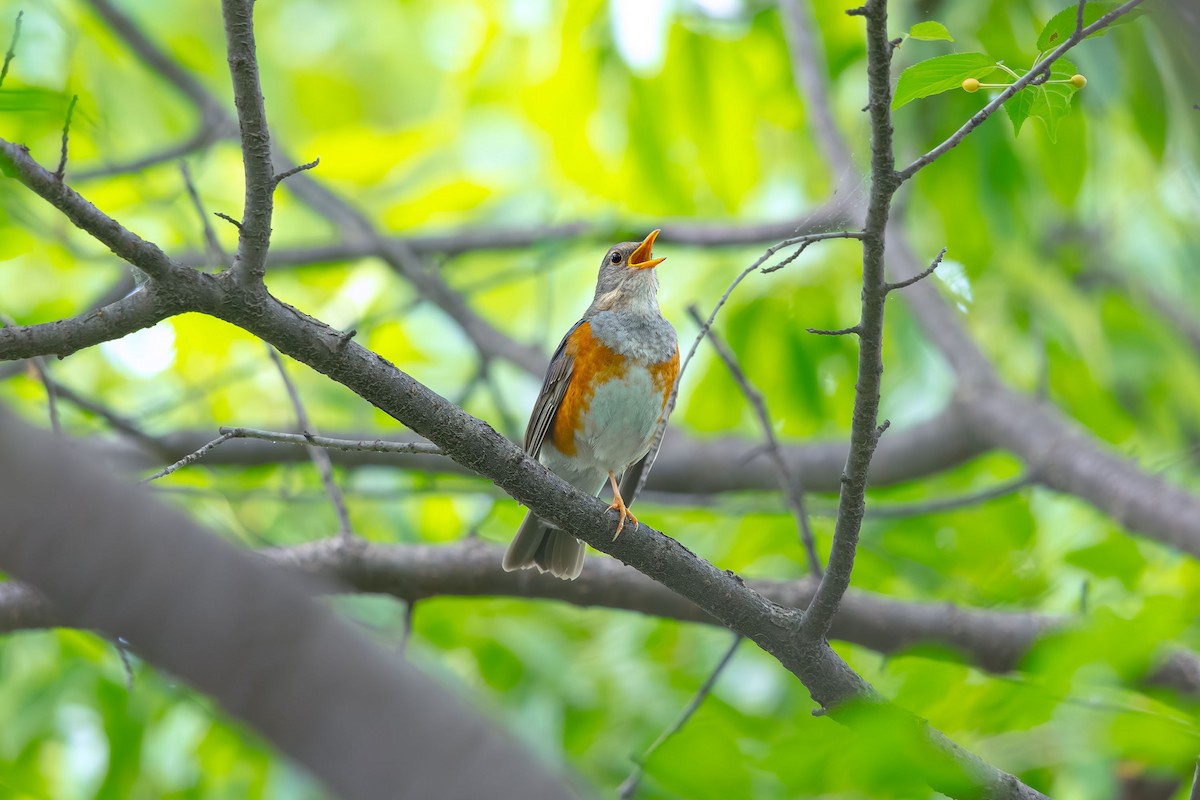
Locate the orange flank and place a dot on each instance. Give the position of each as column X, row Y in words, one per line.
column 664, row 375
column 594, row 365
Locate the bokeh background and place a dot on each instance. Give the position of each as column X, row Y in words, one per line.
column 1072, row 262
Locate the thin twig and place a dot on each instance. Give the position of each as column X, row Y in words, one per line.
column 190, row 458
column 656, row 444
column 630, row 786
column 1037, row 73
column 951, row 503
column 509, row 424
column 12, row 47
column 123, row 651
column 116, row 421
column 891, row 287
column 795, row 254
column 210, row 130
column 1195, row 793
column 319, row 457
column 228, row 219
column 313, row 440
column 283, row 176
column 62, row 159
column 853, row 329
column 38, row 365
column 792, row 488
column 410, row 611
column 216, row 252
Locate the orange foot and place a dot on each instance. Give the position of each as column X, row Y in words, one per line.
column 619, row 505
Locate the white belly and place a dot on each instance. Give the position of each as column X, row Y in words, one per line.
column 617, row 429
column 621, row 419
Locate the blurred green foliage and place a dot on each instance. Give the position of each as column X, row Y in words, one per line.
column 433, row 114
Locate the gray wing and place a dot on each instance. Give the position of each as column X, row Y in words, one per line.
column 550, row 398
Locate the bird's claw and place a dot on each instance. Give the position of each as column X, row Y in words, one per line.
column 619, row 505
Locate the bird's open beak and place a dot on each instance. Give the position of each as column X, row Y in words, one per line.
column 641, row 257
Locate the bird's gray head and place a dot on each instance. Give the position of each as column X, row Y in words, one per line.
column 628, row 280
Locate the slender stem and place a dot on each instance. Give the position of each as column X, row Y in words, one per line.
column 362, row 445
column 190, row 458
column 320, row 458
column 793, row 491
column 630, row 786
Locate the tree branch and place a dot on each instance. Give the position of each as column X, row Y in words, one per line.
column 630, row 786
column 807, row 59
column 1042, row 68
column 249, row 635
column 148, row 306
column 686, row 466
column 318, row 455
column 362, row 446
column 254, row 234
column 208, row 132
column 12, row 47
column 863, row 434
column 792, row 488
column 130, row 247
column 647, row 464
column 62, row 159
column 994, row 641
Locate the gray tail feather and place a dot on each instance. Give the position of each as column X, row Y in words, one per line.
column 539, row 544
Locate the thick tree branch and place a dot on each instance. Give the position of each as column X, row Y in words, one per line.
column 112, row 559
column 994, row 641
column 807, row 57
column 150, row 305
column 714, row 233
column 1053, row 447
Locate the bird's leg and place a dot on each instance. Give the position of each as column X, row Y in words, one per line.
column 619, row 505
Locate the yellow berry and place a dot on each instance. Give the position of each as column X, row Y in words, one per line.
column 972, row 85
column 1078, row 81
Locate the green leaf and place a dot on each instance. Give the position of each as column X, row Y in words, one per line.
column 1116, row 556
column 1062, row 24
column 1017, row 107
column 33, row 99
column 1148, row 104
column 940, row 74
column 929, row 31
column 1048, row 102
column 1063, row 164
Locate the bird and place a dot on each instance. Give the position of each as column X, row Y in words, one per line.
column 604, row 396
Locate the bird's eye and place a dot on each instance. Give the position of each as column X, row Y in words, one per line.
column 615, row 258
